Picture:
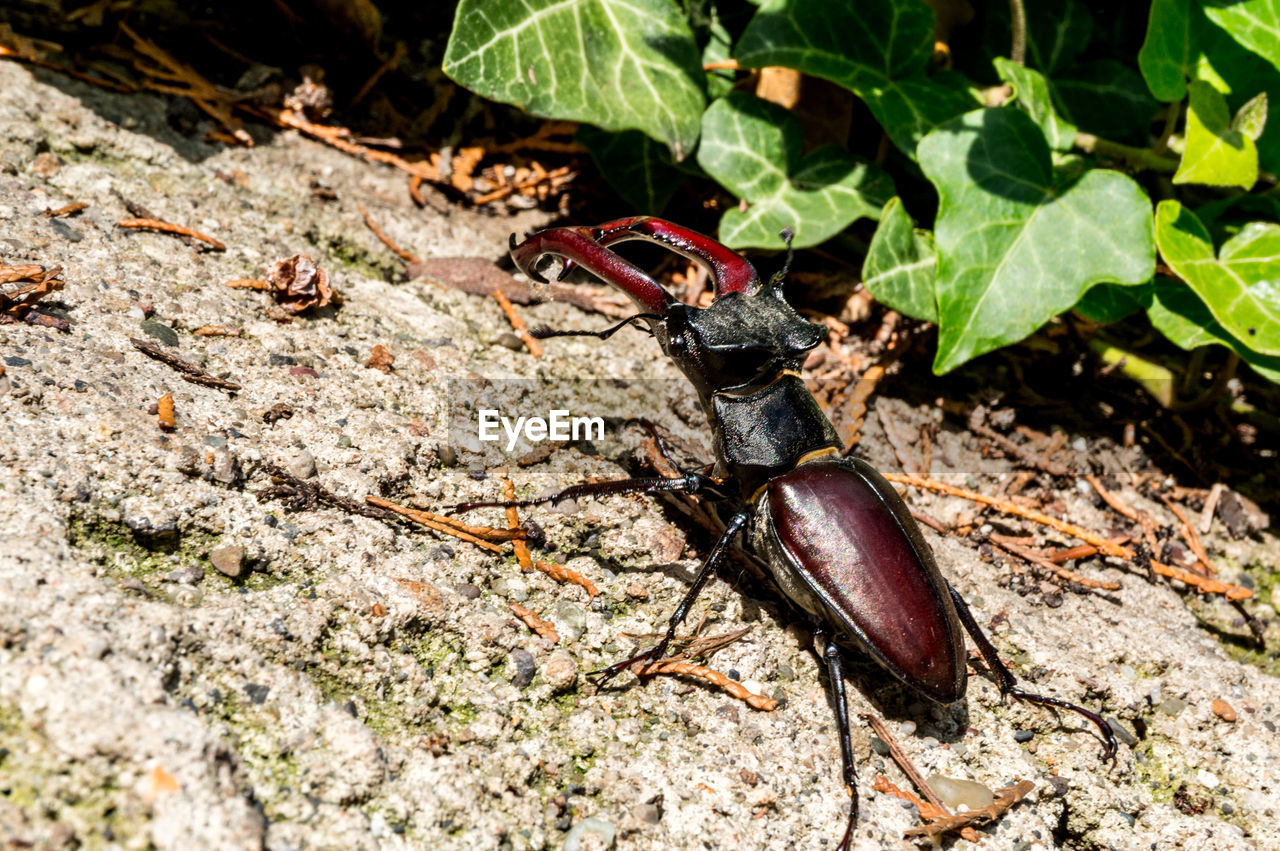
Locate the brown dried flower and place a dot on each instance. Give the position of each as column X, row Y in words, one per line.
column 297, row 283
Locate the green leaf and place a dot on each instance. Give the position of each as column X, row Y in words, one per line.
column 1226, row 217
column 719, row 48
column 1241, row 286
column 1214, row 154
column 1170, row 50
column 1107, row 98
column 1107, row 303
column 753, row 149
column 1057, row 32
column 1241, row 55
column 1032, row 93
column 618, row 64
column 1018, row 244
column 1251, row 119
column 878, row 49
column 1178, row 313
column 902, row 264
column 638, row 168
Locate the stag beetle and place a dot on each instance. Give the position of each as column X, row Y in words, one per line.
column 836, row 537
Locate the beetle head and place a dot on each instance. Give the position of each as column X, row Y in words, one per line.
column 740, row 340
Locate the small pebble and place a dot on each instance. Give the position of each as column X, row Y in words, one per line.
column 957, row 793
column 1223, row 710
column 649, row 813
column 228, row 560
column 1207, row 779
column 302, row 465
column 560, row 671
column 1171, row 706
column 511, row 341
column 878, row 745
column 188, row 574
column 1122, row 732
column 467, row 591
column 160, row 331
column 601, row 828
column 1023, row 735
column 523, row 667
column 570, row 620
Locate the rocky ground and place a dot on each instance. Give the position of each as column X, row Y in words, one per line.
column 186, row 662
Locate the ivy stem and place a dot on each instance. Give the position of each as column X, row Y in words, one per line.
column 1171, row 116
column 1140, row 157
column 1018, row 25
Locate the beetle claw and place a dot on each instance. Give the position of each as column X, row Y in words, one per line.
column 602, row 676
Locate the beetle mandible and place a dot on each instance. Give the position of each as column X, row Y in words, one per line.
column 837, row 539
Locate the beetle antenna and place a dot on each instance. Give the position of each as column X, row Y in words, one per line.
column 779, row 276
column 543, row 332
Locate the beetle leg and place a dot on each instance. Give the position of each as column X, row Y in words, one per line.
column 689, row 483
column 704, row 575
column 835, row 673
column 1009, row 683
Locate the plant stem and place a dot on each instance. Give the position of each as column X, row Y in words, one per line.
column 1018, row 26
column 1140, row 157
column 1171, row 115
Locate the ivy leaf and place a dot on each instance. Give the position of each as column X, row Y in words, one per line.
column 1107, row 98
column 1057, row 32
column 1251, row 119
column 1234, row 46
column 1032, row 93
column 1241, row 286
column 1107, row 303
column 1009, row 232
column 719, row 49
column 902, row 264
column 1170, row 50
column 1226, row 217
column 753, row 149
column 618, row 64
column 639, row 169
column 1215, row 154
column 1178, row 313
column 878, row 49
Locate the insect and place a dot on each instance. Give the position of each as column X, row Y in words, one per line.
column 836, row 538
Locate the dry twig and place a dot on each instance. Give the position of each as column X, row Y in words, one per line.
column 445, row 525
column 1020, row 451
column 1104, row 546
column 671, row 667
column 1111, row 499
column 167, row 227
column 17, row 305
column 560, row 573
column 1189, row 535
column 187, row 371
column 386, row 240
column 513, row 523
column 517, row 323
column 1044, row 563
column 542, row 627
column 68, row 210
